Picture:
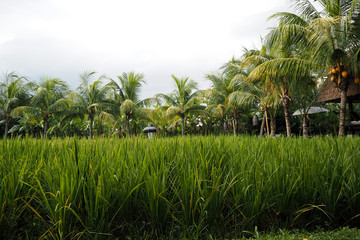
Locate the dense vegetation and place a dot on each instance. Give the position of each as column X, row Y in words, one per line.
column 87, row 183
column 176, row 187
column 315, row 43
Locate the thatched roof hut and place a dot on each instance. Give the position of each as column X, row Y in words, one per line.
column 330, row 93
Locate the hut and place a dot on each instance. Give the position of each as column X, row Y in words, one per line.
column 331, row 94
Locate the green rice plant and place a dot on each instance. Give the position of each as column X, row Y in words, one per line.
column 14, row 172
column 183, row 187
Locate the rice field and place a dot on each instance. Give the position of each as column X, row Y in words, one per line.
column 184, row 187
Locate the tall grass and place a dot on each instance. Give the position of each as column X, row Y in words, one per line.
column 175, row 187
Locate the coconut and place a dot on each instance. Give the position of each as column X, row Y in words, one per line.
column 332, row 78
column 333, row 70
column 357, row 80
column 344, row 74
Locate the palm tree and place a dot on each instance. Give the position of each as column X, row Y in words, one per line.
column 13, row 93
column 91, row 99
column 277, row 73
column 47, row 101
column 126, row 95
column 217, row 95
column 227, row 93
column 157, row 116
column 236, row 73
column 332, row 34
column 183, row 100
column 286, row 70
column 256, row 93
column 305, row 98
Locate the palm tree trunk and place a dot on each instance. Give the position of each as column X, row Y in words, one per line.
column 272, row 126
column 127, row 126
column 235, row 123
column 222, row 127
column 119, row 132
column 45, row 127
column 267, row 123
column 234, row 126
column 262, row 127
column 91, row 126
column 304, row 125
column 286, row 103
column 7, row 122
column 182, row 125
column 343, row 98
column 101, row 129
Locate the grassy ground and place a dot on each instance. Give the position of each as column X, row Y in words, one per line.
column 185, row 187
column 341, row 234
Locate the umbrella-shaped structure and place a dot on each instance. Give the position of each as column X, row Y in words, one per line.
column 311, row 110
column 304, row 113
column 150, row 131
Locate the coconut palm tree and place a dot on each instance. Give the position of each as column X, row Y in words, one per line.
column 217, row 95
column 236, row 73
column 304, row 99
column 284, row 76
column 287, row 69
column 157, row 116
column 226, row 90
column 47, row 101
column 126, row 96
column 333, row 35
column 14, row 92
column 256, row 93
column 257, row 96
column 90, row 99
column 183, row 100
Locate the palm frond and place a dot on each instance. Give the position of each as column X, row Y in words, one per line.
column 168, row 98
column 306, row 9
column 291, row 68
column 128, row 106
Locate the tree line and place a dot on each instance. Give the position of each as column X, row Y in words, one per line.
column 306, row 48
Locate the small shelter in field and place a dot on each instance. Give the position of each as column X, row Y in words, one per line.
column 331, row 94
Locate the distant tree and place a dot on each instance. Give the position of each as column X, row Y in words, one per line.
column 264, row 96
column 305, row 98
column 14, row 92
column 221, row 88
column 90, row 99
column 47, row 101
column 157, row 116
column 286, row 70
column 184, row 99
column 126, row 96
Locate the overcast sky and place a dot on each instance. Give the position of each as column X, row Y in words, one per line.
column 63, row 38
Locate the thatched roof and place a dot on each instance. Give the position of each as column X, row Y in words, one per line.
column 330, row 93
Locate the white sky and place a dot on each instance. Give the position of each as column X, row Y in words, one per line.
column 63, row 38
